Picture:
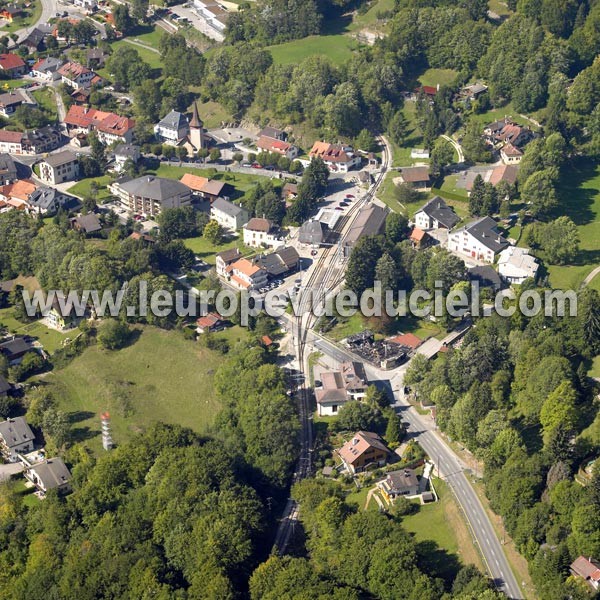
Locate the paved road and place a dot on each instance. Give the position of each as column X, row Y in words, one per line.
column 449, row 465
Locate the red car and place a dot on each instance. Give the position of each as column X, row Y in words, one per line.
column 350, row 196
column 256, row 166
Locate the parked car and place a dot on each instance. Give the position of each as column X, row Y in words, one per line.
column 256, row 166
column 350, row 196
column 314, row 252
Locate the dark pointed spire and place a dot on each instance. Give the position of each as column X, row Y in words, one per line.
column 196, row 121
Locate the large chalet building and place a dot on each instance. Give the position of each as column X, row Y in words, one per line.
column 109, row 126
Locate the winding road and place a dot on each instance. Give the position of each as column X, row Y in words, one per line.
column 457, row 147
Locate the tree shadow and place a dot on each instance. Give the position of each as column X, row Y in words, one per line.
column 437, row 561
column 81, row 434
column 80, row 415
column 573, row 200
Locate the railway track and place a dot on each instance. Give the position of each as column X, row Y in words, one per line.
column 327, row 274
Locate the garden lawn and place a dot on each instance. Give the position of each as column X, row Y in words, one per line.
column 83, row 188
column 159, row 377
column 46, row 100
column 579, row 198
column 148, row 55
column 439, row 528
column 11, row 84
column 433, row 77
column 369, row 19
column 50, row 339
column 208, row 251
column 497, row 114
column 337, row 48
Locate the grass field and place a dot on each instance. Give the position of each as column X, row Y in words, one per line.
column 440, row 77
column 11, row 84
column 159, row 377
column 442, row 535
column 580, row 199
column 49, row 338
column 46, row 100
column 369, row 18
column 148, row 55
column 500, row 113
column 83, row 188
column 213, row 113
column 335, row 47
column 207, row 251
column 242, row 182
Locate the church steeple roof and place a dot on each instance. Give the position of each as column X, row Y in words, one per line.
column 196, row 121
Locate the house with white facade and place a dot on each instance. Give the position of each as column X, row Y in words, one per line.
column 245, row 275
column 480, row 240
column 16, row 438
column 76, row 75
column 47, row 68
column 229, row 215
column 172, row 129
column 515, row 265
column 337, row 388
column 277, row 146
column 125, row 152
column 59, row 167
column 260, row 232
column 337, row 157
column 436, row 214
column 150, row 195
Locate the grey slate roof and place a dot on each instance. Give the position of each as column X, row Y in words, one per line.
column 437, row 209
column 127, row 150
column 485, row 230
column 229, row 208
column 53, row 473
column 402, row 481
column 44, row 198
column 7, row 164
column 61, row 158
column 174, row 120
column 279, row 262
column 4, row 385
column 487, row 276
column 14, row 347
column 312, row 232
column 88, row 223
column 15, row 432
column 370, row 221
column 155, row 188
column 50, row 64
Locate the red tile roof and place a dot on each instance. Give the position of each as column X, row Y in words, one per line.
column 329, row 152
column 90, row 118
column 12, row 137
column 428, row 90
column 72, row 70
column 273, row 145
column 407, row 339
column 10, row 61
column 417, row 234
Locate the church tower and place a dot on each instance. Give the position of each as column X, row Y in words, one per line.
column 196, row 130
